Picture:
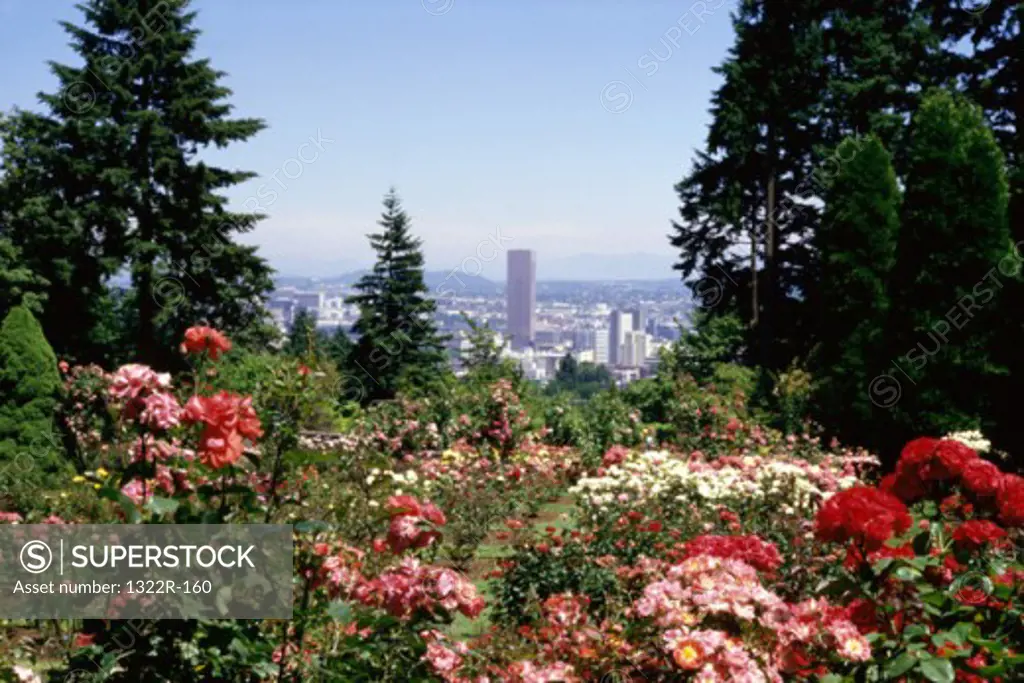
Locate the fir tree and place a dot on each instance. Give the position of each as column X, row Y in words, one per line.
column 398, row 343
column 303, row 340
column 18, row 284
column 857, row 243
column 29, row 383
column 338, row 348
column 947, row 281
column 118, row 153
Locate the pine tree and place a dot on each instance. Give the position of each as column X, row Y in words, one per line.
column 18, row 284
column 29, row 382
column 398, row 343
column 121, row 141
column 857, row 243
column 303, row 340
column 800, row 77
column 992, row 68
column 946, row 286
column 338, row 348
column 46, row 209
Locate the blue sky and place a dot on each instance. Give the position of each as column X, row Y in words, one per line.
column 563, row 124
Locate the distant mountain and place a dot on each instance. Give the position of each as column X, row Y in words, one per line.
column 440, row 281
column 590, row 267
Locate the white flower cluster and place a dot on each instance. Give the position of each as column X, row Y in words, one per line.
column 972, row 439
column 664, row 477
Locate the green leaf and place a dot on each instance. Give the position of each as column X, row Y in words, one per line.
column 899, row 666
column 938, row 670
column 311, row 526
column 130, row 511
column 162, row 506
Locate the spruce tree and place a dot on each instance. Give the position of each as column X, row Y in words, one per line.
column 122, row 139
column 398, row 345
column 338, row 348
column 29, row 385
column 857, row 244
column 948, row 281
column 303, row 340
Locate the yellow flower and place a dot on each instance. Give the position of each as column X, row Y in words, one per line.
column 78, row 479
column 96, row 486
column 101, row 472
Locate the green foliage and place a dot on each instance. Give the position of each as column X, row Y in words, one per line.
column 483, row 361
column 857, row 244
column 713, row 340
column 582, row 379
column 19, row 286
column 29, row 386
column 303, row 341
column 109, row 180
column 398, row 343
column 953, row 254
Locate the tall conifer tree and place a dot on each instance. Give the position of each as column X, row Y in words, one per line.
column 118, row 153
column 857, row 243
column 398, row 345
column 947, row 286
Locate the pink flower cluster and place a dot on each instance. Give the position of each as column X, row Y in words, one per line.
column 412, row 588
column 412, row 523
column 706, row 590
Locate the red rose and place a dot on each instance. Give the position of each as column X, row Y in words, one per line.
column 982, row 478
column 951, row 457
column 1011, row 501
column 202, row 339
column 976, row 533
column 866, row 515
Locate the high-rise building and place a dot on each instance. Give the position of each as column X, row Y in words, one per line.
column 639, row 319
column 601, row 346
column 619, row 322
column 522, row 296
column 634, row 349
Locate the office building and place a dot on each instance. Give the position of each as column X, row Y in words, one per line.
column 522, row 297
column 619, row 322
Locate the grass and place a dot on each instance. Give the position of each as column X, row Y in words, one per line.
column 557, row 514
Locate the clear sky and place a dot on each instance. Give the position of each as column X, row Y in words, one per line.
column 561, row 123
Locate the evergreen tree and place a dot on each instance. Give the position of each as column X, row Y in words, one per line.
column 29, row 383
column 118, row 155
column 57, row 234
column 398, row 343
column 857, row 243
column 947, row 281
column 303, row 340
column 992, row 68
column 338, row 348
column 483, row 359
column 18, row 284
column 800, row 77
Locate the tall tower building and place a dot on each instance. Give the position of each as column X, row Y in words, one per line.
column 619, row 322
column 522, row 296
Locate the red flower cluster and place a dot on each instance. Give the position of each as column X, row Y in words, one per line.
column 761, row 555
column 926, row 464
column 201, row 339
column 412, row 523
column 865, row 515
column 228, row 419
column 977, row 533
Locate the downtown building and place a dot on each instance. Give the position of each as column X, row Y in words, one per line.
column 522, row 297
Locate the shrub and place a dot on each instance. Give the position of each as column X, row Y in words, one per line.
column 29, row 385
